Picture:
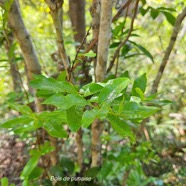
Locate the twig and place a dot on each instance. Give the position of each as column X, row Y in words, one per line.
column 168, row 51
column 79, row 48
column 126, row 39
column 92, row 44
column 121, row 10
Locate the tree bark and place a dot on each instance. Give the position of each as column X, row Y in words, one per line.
column 77, row 16
column 55, row 12
column 16, row 23
column 100, row 71
column 103, row 39
column 168, row 51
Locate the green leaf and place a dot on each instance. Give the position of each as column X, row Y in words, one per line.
column 115, row 44
column 65, row 102
column 167, row 9
column 74, row 118
column 125, row 49
column 58, row 100
column 144, row 50
column 121, row 127
column 170, row 18
column 36, row 173
column 134, row 111
column 4, row 181
column 58, row 116
column 125, row 74
column 113, row 89
column 30, row 166
column 23, row 129
column 90, row 54
column 50, row 84
column 62, row 76
column 24, row 109
column 67, row 164
column 154, row 13
column 52, row 122
column 91, row 88
column 76, row 99
column 143, row 11
column 55, row 128
column 161, row 102
column 139, row 83
column 118, row 29
column 92, row 172
column 140, row 93
column 106, row 169
column 22, row 120
column 42, row 150
column 88, row 117
column 143, row 2
column 26, row 183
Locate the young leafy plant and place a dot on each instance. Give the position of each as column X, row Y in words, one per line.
column 112, row 101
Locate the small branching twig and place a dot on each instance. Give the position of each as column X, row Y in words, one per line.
column 121, row 10
column 126, row 39
column 79, row 48
column 95, row 40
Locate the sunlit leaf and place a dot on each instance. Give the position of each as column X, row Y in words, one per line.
column 30, row 166
column 139, row 83
column 113, row 89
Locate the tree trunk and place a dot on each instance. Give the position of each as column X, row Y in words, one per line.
column 17, row 25
column 103, row 39
column 100, row 71
column 55, row 12
column 77, row 16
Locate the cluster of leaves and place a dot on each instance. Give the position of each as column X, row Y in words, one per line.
column 154, row 12
column 117, row 101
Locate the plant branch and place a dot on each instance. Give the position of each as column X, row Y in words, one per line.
column 126, row 39
column 95, row 40
column 79, row 48
column 168, row 51
column 125, row 5
column 55, row 7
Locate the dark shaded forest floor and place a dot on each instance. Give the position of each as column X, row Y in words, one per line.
column 12, row 157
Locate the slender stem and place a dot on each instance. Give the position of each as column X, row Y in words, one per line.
column 126, row 39
column 168, row 51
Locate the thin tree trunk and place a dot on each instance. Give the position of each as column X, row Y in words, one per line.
column 17, row 25
column 103, row 39
column 100, row 71
column 77, row 16
column 55, row 12
column 79, row 143
column 168, row 51
column 95, row 11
